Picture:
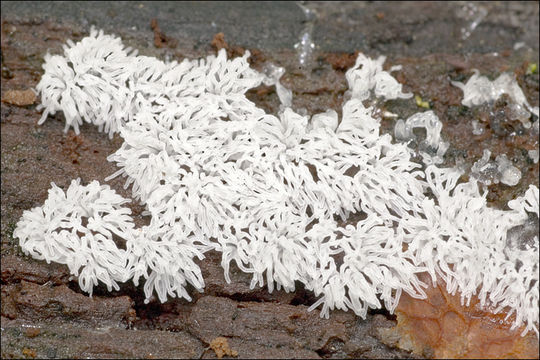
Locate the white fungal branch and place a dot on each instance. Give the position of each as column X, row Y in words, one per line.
column 216, row 172
column 76, row 228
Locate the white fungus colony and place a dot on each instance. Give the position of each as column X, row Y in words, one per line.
column 217, row 173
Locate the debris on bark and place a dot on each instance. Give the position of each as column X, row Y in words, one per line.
column 221, row 347
column 19, row 97
column 160, row 39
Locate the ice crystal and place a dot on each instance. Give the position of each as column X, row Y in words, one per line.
column 533, row 155
column 501, row 170
column 479, row 90
column 272, row 74
column 306, row 46
column 473, row 14
column 433, row 147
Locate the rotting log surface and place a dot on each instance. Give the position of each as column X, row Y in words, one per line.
column 44, row 314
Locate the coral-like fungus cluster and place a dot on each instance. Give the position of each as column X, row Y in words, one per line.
column 217, row 173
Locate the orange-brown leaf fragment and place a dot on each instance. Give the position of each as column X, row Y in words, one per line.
column 221, row 347
column 29, row 353
column 19, row 97
column 440, row 327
